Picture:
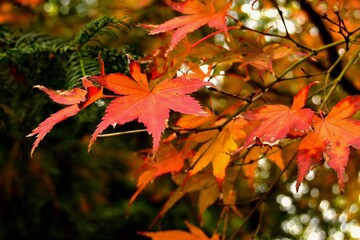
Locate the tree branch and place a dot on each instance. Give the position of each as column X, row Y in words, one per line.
column 331, row 51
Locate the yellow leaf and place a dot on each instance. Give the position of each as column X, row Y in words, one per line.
column 207, row 197
column 216, row 151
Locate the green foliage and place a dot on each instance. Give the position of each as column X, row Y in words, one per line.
column 61, row 62
column 103, row 26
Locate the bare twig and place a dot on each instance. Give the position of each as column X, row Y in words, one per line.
column 338, row 79
column 263, row 198
column 247, row 99
column 121, row 133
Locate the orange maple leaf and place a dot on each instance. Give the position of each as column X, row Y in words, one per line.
column 168, row 160
column 250, row 49
column 255, row 51
column 279, row 120
column 194, row 234
column 331, row 138
column 198, row 13
column 149, row 106
column 262, row 58
column 163, row 65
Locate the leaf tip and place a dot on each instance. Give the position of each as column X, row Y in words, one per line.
column 220, row 182
column 32, row 153
column 202, row 113
column 297, row 186
column 30, row 135
column 38, row 86
column 89, row 146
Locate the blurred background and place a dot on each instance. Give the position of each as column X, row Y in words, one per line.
column 64, row 192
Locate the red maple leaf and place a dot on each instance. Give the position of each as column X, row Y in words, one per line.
column 279, row 120
column 331, row 138
column 149, row 106
column 198, row 13
column 31, row 3
column 77, row 98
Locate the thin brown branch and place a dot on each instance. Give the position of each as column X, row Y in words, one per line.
column 263, row 198
column 327, row 39
column 122, row 133
column 247, row 99
column 259, row 202
column 245, row 202
column 288, row 37
column 225, row 225
column 260, row 220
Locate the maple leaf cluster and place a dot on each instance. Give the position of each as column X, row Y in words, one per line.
column 328, row 137
column 204, row 143
column 136, row 98
column 133, row 100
